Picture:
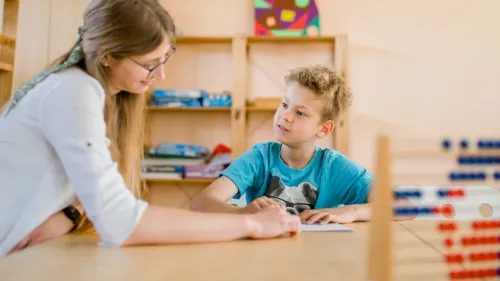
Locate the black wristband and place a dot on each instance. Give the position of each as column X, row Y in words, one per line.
column 72, row 214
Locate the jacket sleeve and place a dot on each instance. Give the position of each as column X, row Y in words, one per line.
column 72, row 121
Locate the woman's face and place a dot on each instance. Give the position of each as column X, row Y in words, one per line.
column 135, row 74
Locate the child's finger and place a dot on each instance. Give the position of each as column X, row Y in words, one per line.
column 316, row 217
column 307, row 214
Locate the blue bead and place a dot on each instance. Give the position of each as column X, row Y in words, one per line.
column 496, row 175
column 453, row 176
column 426, row 211
column 442, row 193
column 479, row 160
column 417, row 194
column 488, row 144
column 480, row 144
column 482, row 176
column 497, row 144
column 464, row 144
column 446, row 144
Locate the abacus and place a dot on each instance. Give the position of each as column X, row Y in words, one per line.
column 469, row 233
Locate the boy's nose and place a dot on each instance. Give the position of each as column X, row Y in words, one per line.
column 287, row 116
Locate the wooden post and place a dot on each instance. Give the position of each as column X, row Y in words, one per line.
column 341, row 131
column 8, row 33
column 380, row 258
column 238, row 110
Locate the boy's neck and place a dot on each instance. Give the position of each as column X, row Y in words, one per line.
column 297, row 157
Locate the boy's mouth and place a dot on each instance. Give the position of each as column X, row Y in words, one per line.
column 283, row 128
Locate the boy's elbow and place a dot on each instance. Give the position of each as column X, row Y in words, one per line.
column 196, row 203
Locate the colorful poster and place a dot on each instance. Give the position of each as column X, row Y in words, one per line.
column 286, row 18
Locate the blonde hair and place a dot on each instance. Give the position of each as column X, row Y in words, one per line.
column 324, row 83
column 122, row 28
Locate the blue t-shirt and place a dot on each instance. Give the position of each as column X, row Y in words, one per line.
column 330, row 179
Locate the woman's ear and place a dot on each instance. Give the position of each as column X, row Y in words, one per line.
column 106, row 60
column 326, row 129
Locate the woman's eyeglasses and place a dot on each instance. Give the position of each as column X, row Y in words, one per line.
column 153, row 70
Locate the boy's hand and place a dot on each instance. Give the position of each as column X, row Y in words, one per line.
column 259, row 204
column 345, row 214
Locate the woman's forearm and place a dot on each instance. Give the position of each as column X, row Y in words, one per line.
column 161, row 225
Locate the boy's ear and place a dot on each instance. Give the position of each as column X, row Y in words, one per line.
column 326, row 129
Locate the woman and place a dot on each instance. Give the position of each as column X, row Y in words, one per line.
column 63, row 131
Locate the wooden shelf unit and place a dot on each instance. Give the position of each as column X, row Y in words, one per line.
column 183, row 181
column 238, row 112
column 8, row 34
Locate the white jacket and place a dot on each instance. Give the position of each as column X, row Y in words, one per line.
column 53, row 147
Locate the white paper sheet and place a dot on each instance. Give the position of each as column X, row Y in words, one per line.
column 325, row 227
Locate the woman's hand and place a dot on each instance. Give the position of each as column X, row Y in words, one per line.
column 55, row 226
column 273, row 221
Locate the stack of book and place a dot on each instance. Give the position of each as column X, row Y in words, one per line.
column 190, row 98
column 178, row 161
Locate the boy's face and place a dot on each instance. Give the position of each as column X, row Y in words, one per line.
column 299, row 118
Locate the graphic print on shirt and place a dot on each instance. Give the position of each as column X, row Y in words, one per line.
column 295, row 198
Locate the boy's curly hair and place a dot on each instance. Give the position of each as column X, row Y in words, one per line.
column 325, row 83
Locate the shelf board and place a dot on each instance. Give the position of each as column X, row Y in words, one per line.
column 255, row 39
column 189, row 109
column 6, row 67
column 204, row 40
column 184, row 181
column 7, row 41
column 261, row 108
column 290, row 39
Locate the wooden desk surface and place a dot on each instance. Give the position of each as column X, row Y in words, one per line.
column 310, row 256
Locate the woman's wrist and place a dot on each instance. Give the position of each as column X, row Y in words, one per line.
column 250, row 225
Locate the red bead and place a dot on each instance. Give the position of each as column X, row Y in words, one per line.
column 454, row 275
column 474, row 256
column 448, row 210
column 458, row 258
column 491, row 272
column 451, row 226
column 448, row 242
column 456, row 193
column 436, row 210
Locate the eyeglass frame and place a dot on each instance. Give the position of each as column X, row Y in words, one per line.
column 152, row 70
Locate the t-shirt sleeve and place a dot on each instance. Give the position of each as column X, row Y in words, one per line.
column 72, row 120
column 358, row 191
column 352, row 182
column 245, row 170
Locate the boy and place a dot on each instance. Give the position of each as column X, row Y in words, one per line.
column 320, row 185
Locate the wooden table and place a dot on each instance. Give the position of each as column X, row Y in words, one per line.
column 308, row 257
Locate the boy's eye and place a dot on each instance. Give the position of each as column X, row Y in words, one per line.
column 300, row 113
column 284, row 105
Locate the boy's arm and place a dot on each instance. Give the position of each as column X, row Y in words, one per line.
column 351, row 213
column 363, row 212
column 214, row 197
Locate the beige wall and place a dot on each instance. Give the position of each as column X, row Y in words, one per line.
column 414, row 64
